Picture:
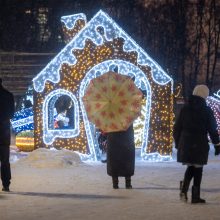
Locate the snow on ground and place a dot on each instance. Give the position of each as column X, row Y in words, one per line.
column 44, row 158
column 57, row 185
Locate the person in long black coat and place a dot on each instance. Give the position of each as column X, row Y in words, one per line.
column 196, row 120
column 6, row 113
column 121, row 156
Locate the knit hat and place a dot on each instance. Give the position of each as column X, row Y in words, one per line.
column 201, row 90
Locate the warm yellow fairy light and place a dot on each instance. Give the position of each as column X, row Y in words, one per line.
column 160, row 136
column 24, row 143
column 161, row 115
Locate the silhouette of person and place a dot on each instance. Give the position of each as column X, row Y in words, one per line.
column 121, row 156
column 102, row 140
column 6, row 113
column 195, row 121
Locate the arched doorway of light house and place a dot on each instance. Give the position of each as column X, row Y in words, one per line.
column 141, row 124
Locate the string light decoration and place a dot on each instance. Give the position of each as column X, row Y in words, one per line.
column 23, row 120
column 72, row 24
column 214, row 103
column 138, row 125
column 25, row 144
column 49, row 104
column 99, row 47
column 217, row 94
column 25, row 141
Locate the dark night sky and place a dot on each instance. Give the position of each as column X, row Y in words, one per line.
column 23, row 22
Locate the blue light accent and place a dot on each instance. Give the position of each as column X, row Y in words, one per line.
column 23, row 120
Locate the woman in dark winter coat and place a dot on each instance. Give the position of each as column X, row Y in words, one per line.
column 196, row 120
column 121, row 156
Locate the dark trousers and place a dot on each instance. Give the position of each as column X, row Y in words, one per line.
column 5, row 165
column 196, row 174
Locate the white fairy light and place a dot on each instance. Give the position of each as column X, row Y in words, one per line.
column 112, row 30
column 52, row 73
column 214, row 103
column 49, row 135
column 71, row 20
column 125, row 68
column 23, row 120
column 217, row 94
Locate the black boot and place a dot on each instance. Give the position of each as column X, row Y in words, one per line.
column 184, row 187
column 183, row 195
column 128, row 182
column 6, row 189
column 196, row 195
column 115, row 182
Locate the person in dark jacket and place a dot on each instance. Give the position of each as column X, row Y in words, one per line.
column 6, row 113
column 102, row 140
column 196, row 120
column 121, row 156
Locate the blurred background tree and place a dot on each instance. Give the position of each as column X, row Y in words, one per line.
column 181, row 35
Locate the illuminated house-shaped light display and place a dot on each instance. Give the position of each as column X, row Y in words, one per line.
column 214, row 103
column 94, row 48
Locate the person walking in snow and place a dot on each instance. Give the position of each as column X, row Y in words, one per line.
column 121, row 156
column 6, row 113
column 195, row 121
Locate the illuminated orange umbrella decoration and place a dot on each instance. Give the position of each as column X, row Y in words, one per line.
column 112, row 102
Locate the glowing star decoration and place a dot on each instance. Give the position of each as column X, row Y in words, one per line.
column 97, row 48
column 23, row 120
column 50, row 134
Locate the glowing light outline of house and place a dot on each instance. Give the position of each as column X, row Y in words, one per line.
column 111, row 31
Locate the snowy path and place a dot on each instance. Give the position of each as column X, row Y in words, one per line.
column 84, row 191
